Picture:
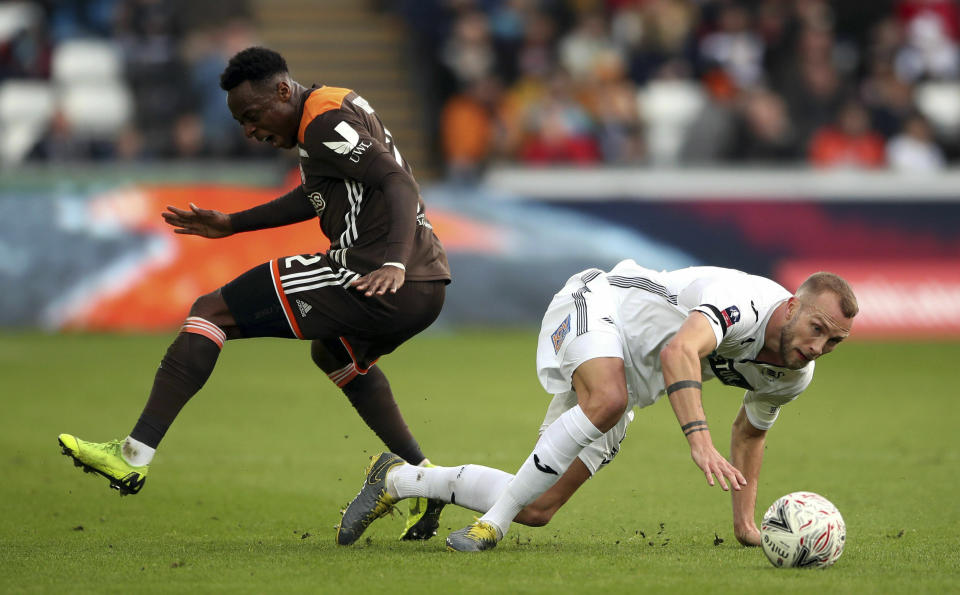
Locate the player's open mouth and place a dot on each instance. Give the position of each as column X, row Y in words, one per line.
column 803, row 355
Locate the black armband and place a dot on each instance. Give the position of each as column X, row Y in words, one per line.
column 681, row 384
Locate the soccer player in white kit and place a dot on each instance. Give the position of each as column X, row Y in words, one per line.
column 610, row 342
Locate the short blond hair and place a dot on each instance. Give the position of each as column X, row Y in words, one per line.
column 818, row 283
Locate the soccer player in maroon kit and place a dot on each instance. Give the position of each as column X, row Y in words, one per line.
column 382, row 281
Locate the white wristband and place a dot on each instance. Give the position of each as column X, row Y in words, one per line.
column 399, row 265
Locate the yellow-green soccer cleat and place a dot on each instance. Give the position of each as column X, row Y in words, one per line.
column 106, row 459
column 476, row 537
column 372, row 502
column 423, row 519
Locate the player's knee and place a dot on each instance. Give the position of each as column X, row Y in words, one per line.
column 604, row 407
column 209, row 306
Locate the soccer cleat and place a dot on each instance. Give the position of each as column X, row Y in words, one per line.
column 423, row 520
column 106, row 459
column 372, row 502
column 476, row 537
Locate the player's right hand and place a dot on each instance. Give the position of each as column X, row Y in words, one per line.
column 713, row 464
column 198, row 222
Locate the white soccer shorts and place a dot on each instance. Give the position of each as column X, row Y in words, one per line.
column 579, row 325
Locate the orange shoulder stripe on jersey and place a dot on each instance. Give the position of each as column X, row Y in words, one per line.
column 320, row 101
column 287, row 310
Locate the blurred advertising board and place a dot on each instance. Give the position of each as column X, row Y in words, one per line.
column 908, row 299
column 96, row 255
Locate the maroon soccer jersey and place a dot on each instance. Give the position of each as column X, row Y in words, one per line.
column 346, row 157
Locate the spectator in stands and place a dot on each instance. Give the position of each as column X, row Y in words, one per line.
column 913, row 150
column 469, row 129
column 849, row 143
column 931, row 40
column 712, row 135
column 889, row 99
column 25, row 49
column 735, row 47
column 667, row 35
column 581, row 48
column 469, row 53
column 558, row 129
column 815, row 93
column 611, row 100
column 766, row 133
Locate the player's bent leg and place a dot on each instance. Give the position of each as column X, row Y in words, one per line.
column 555, row 451
column 539, row 512
column 481, row 535
column 601, row 388
column 183, row 371
column 372, row 502
column 369, row 392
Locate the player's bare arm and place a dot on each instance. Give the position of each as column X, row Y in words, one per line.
column 680, row 360
column 206, row 223
column 746, row 454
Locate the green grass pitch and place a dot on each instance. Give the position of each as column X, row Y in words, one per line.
column 246, row 489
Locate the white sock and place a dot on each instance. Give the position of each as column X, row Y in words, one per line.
column 471, row 486
column 558, row 446
column 137, row 453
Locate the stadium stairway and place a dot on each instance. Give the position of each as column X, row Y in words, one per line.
column 353, row 44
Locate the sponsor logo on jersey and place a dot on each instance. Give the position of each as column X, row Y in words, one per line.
column 304, row 308
column 773, row 374
column 731, row 316
column 559, row 334
column 350, row 139
column 317, row 201
column 725, row 372
column 359, row 150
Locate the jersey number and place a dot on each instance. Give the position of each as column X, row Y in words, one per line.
column 304, row 260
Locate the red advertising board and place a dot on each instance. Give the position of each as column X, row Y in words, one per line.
column 898, row 299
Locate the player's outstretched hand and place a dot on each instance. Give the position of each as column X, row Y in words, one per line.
column 386, row 278
column 198, row 222
column 713, row 465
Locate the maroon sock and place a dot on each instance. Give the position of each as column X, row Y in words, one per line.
column 182, row 372
column 371, row 396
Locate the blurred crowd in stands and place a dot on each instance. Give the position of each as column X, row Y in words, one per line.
column 841, row 83
column 118, row 79
column 847, row 83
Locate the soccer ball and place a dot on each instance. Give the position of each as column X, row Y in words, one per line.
column 803, row 530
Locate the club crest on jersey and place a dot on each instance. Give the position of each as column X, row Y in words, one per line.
column 317, row 201
column 559, row 334
column 731, row 316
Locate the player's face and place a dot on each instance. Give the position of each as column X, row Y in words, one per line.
column 816, row 327
column 266, row 112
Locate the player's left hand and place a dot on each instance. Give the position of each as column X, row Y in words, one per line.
column 713, row 465
column 386, row 278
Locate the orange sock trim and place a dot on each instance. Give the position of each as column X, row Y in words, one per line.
column 200, row 326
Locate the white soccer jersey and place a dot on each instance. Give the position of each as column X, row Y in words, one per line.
column 644, row 309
